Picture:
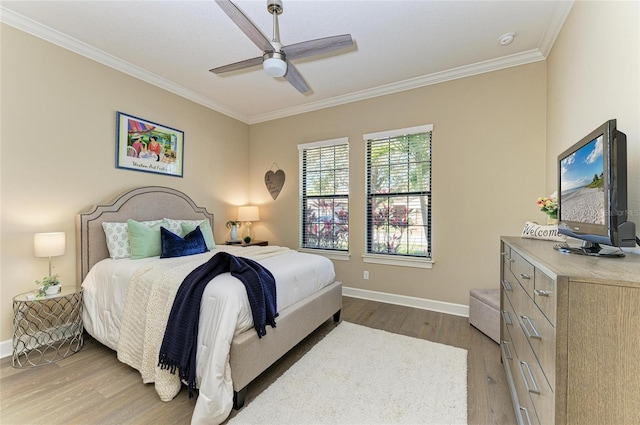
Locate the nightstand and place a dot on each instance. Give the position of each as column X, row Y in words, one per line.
column 48, row 328
column 252, row 243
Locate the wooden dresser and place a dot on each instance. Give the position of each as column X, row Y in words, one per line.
column 570, row 335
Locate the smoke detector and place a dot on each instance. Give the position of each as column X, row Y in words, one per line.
column 507, row 38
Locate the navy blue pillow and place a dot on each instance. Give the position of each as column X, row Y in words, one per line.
column 175, row 246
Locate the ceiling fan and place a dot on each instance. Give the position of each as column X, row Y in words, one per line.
column 276, row 57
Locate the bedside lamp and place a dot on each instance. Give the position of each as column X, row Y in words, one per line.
column 248, row 214
column 49, row 245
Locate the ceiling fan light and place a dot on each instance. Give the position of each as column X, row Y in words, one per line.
column 275, row 67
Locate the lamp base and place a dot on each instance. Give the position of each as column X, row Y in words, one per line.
column 247, row 231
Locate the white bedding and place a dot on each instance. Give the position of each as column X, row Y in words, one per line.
column 297, row 276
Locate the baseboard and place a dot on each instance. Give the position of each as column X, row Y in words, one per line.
column 6, row 348
column 415, row 302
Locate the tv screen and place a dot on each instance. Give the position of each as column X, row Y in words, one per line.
column 592, row 192
column 582, row 184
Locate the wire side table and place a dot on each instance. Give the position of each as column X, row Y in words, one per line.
column 46, row 329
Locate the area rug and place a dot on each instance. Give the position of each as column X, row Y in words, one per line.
column 359, row 375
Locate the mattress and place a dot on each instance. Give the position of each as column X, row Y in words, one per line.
column 297, row 276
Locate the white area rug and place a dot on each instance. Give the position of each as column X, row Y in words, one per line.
column 359, row 375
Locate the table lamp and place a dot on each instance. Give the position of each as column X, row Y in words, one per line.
column 248, row 214
column 49, row 245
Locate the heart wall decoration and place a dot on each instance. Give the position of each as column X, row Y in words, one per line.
column 274, row 181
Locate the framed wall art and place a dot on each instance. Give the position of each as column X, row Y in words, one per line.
column 143, row 145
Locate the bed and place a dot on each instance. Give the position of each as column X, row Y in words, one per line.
column 315, row 297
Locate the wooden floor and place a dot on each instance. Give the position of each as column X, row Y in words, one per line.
column 93, row 387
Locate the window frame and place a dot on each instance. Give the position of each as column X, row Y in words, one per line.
column 406, row 260
column 333, row 253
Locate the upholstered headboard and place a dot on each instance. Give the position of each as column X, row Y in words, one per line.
column 143, row 203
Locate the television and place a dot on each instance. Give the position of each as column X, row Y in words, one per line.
column 592, row 193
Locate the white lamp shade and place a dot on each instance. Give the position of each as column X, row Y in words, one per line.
column 248, row 213
column 49, row 244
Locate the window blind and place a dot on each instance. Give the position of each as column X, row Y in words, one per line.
column 398, row 168
column 324, row 195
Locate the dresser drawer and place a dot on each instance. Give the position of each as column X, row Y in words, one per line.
column 508, row 359
column 525, row 405
column 537, row 388
column 544, row 405
column 509, row 284
column 507, row 352
column 524, row 272
column 522, row 353
column 536, row 384
column 544, row 295
column 506, row 256
column 539, row 333
column 508, row 321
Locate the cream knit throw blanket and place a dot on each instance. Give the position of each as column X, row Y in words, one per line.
column 150, row 296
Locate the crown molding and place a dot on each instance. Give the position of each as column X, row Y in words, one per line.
column 413, row 83
column 561, row 12
column 36, row 29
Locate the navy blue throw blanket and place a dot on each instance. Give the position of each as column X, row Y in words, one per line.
column 179, row 345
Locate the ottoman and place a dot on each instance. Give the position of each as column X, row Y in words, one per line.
column 484, row 312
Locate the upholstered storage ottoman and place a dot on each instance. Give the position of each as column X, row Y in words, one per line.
column 484, row 311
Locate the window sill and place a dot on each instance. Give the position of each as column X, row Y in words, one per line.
column 394, row 260
column 332, row 255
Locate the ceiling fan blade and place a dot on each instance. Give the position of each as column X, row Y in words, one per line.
column 296, row 80
column 238, row 65
column 245, row 24
column 318, row 46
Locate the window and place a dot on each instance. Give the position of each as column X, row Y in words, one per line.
column 399, row 192
column 324, row 197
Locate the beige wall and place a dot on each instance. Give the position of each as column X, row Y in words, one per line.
column 593, row 76
column 488, row 170
column 58, row 153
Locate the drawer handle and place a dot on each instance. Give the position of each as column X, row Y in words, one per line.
column 504, row 254
column 533, row 388
column 506, row 317
column 506, row 351
column 507, row 285
column 542, row 293
column 526, row 412
column 530, row 334
column 525, row 276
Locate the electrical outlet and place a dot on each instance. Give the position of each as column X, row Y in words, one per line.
column 365, row 275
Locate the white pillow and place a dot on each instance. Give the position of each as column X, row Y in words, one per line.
column 175, row 226
column 117, row 236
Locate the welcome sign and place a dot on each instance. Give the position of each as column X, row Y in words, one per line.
column 535, row 231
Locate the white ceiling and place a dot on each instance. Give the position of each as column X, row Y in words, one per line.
column 398, row 45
